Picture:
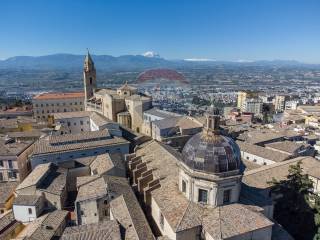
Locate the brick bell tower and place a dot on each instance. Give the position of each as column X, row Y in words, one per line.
column 89, row 77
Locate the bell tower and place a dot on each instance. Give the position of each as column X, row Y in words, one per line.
column 89, row 77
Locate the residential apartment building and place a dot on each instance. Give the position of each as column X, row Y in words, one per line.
column 14, row 162
column 242, row 96
column 279, row 103
column 254, row 106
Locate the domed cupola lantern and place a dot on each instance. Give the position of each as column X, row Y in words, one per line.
column 210, row 165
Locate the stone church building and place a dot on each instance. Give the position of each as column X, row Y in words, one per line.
column 123, row 105
column 197, row 194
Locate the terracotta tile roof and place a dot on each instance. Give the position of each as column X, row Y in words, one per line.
column 49, row 226
column 106, row 162
column 59, row 95
column 6, row 220
column 232, row 220
column 27, row 200
column 263, row 152
column 287, row 146
column 249, row 165
column 127, row 211
column 259, row 178
column 35, row 176
column 180, row 213
column 72, row 142
column 6, row 190
column 107, row 230
column 15, row 148
column 86, row 179
column 260, row 136
column 92, row 190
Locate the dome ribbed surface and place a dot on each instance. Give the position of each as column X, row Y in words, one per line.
column 211, row 154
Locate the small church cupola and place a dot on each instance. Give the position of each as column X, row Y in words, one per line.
column 212, row 119
column 125, row 90
column 89, row 77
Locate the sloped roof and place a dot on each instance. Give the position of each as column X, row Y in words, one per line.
column 107, row 161
column 107, row 230
column 263, row 152
column 260, row 177
column 127, row 210
column 92, row 190
column 35, row 176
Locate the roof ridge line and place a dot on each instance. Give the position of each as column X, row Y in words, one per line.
column 270, row 166
column 184, row 213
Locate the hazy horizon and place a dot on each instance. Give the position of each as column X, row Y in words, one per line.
column 163, row 57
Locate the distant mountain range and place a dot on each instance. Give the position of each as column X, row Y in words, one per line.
column 124, row 63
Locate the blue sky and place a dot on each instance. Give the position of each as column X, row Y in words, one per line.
column 221, row 30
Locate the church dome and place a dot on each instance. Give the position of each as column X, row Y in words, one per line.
column 211, row 152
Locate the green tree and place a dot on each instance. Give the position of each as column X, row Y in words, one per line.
column 317, row 217
column 293, row 205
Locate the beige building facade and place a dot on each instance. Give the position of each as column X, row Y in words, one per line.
column 46, row 104
column 14, row 160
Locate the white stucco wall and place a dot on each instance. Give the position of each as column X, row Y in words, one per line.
column 256, row 159
column 166, row 229
column 74, row 125
column 21, row 213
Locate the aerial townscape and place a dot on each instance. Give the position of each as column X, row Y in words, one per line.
column 104, row 163
column 143, row 147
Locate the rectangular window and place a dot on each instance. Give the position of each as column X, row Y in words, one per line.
column 226, row 196
column 1, row 163
column 10, row 164
column 30, row 210
column 161, row 220
column 184, row 186
column 1, row 177
column 202, row 196
column 12, row 174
